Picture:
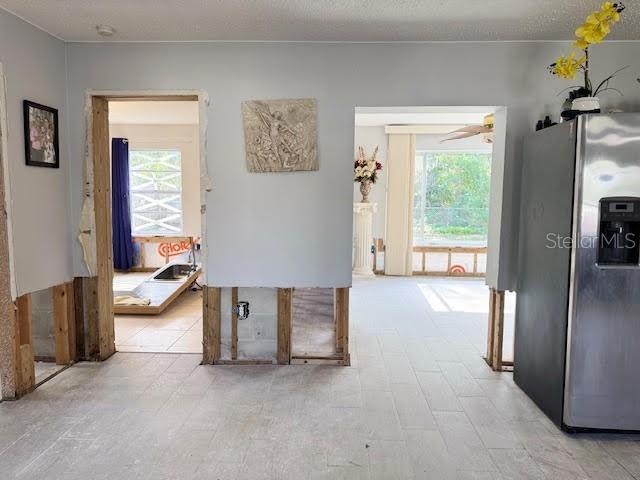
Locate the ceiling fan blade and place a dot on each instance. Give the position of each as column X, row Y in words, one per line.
column 468, row 131
column 460, row 136
column 468, row 128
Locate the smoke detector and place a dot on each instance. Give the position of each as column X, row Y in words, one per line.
column 105, row 30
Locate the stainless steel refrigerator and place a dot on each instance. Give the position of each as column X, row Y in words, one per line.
column 577, row 331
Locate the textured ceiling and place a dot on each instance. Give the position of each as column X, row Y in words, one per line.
column 317, row 20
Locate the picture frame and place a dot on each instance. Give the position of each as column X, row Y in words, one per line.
column 41, row 142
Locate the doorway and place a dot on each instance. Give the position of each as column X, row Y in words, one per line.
column 148, row 163
column 432, row 196
column 157, row 141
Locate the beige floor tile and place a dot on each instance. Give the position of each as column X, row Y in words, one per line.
column 144, row 333
column 418, row 403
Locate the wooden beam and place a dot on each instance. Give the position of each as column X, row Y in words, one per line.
column 27, row 377
column 285, row 313
column 90, row 300
column 318, row 361
column 498, row 330
column 71, row 320
column 103, row 234
column 495, row 332
column 424, row 250
column 442, row 273
column 25, row 365
column 142, row 255
column 490, row 325
column 234, row 323
column 342, row 322
column 338, row 326
column 24, row 317
column 456, row 250
column 245, row 361
column 160, row 239
column 78, row 316
column 61, row 324
column 211, row 323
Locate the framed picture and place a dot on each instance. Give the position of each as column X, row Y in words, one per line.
column 41, row 135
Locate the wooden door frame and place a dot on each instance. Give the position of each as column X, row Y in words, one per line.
column 98, row 287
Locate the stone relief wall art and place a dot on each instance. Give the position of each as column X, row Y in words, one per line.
column 281, row 135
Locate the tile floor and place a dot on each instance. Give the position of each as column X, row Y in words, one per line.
column 417, row 403
column 176, row 330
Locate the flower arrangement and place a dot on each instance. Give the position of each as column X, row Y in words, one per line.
column 595, row 29
column 366, row 169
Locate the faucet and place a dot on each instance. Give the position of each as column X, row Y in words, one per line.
column 194, row 265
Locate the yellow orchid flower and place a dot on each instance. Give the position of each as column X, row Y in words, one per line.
column 598, row 25
column 595, row 29
column 581, row 44
column 610, row 11
column 567, row 66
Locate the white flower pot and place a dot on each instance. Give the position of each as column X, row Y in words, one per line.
column 586, row 104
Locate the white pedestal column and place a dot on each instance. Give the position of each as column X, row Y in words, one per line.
column 363, row 264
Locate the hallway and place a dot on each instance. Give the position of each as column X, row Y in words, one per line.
column 418, row 402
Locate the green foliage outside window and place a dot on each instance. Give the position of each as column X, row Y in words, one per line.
column 451, row 197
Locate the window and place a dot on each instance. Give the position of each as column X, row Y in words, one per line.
column 155, row 177
column 451, row 198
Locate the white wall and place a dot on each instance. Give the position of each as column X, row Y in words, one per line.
column 34, row 66
column 179, row 137
column 295, row 229
column 369, row 138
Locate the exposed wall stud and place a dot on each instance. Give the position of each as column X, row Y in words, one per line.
column 490, row 327
column 495, row 332
column 90, row 300
column 234, row 323
column 424, row 250
column 104, row 249
column 498, row 330
column 78, row 316
column 61, row 324
column 25, row 365
column 211, row 323
column 342, row 322
column 285, row 315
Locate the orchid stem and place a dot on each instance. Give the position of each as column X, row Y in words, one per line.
column 587, row 82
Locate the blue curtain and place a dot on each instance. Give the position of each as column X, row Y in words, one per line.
column 123, row 250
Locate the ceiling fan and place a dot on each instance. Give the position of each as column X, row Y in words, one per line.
column 486, row 130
